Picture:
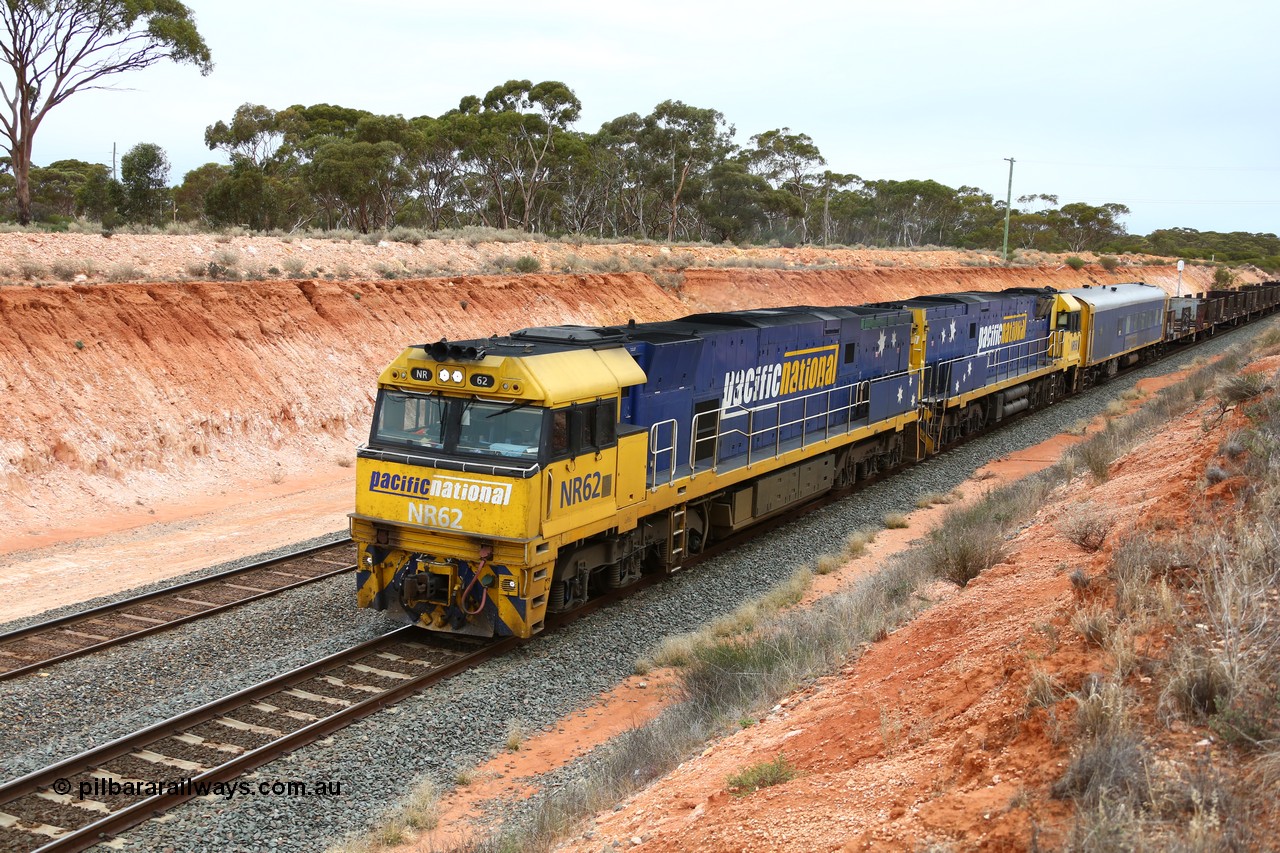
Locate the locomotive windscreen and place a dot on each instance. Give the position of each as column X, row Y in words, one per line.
column 458, row 426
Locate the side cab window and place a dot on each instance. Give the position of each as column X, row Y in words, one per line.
column 584, row 428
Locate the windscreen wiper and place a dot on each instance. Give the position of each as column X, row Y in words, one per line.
column 508, row 409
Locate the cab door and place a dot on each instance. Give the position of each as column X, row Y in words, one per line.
column 579, row 477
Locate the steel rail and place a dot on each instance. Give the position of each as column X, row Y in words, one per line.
column 86, row 836
column 51, row 625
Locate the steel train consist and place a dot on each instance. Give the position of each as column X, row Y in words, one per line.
column 510, row 478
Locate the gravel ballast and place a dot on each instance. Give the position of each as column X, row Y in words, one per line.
column 455, row 725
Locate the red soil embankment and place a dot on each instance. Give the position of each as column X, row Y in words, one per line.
column 123, row 392
column 119, row 396
column 734, row 289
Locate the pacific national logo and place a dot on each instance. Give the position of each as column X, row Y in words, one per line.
column 1010, row 330
column 440, row 486
column 801, row 370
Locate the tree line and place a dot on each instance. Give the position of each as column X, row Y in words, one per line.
column 511, row 159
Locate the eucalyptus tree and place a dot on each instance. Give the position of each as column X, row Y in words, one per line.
column 510, row 139
column 790, row 162
column 1031, row 228
column 681, row 144
column 59, row 189
column 254, row 135
column 838, row 190
column 621, row 173
column 435, row 170
column 192, row 195
column 53, row 49
column 144, row 175
column 1084, row 226
column 737, row 202
column 353, row 182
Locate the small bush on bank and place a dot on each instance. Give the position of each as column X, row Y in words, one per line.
column 123, row 272
column 762, row 775
column 1240, row 387
column 1087, row 527
column 1075, row 262
column 1097, row 453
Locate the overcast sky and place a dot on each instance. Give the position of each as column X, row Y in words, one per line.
column 1167, row 107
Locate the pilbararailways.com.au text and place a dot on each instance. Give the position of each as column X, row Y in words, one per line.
column 93, row 789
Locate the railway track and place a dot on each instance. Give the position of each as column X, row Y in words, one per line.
column 28, row 649
column 79, row 802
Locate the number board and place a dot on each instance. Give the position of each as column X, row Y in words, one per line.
column 482, row 380
column 421, row 374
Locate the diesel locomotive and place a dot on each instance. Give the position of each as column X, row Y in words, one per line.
column 512, row 477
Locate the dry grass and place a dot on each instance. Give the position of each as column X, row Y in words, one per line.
column 1092, row 622
column 515, row 735
column 1215, row 603
column 856, row 544
column 1043, row 690
column 964, row 546
column 1240, row 387
column 418, row 812
column 1116, row 408
column 1137, row 561
column 896, row 521
column 123, row 272
column 1087, row 526
column 729, row 679
column 1096, row 454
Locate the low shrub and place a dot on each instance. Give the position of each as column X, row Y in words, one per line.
column 762, row 775
column 1087, row 527
column 527, row 264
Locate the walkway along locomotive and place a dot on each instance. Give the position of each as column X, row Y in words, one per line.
column 508, row 478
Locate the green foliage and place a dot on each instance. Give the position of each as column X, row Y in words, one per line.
column 144, row 177
column 1235, row 247
column 1076, row 263
column 510, row 161
column 60, row 47
column 527, row 263
column 1108, row 263
column 1223, row 277
column 762, row 775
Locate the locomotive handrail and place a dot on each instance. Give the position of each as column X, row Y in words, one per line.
column 859, row 395
column 655, row 450
column 465, row 466
column 934, row 370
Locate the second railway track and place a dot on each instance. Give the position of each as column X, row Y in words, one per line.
column 78, row 802
column 28, row 649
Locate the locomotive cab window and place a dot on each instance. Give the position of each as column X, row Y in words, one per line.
column 458, row 426
column 410, row 419
column 584, row 429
